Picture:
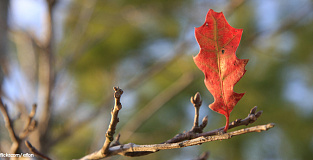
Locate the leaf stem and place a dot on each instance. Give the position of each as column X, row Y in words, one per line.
column 227, row 123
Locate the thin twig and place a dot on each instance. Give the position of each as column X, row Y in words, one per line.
column 29, row 126
column 196, row 129
column 76, row 50
column 104, row 151
column 117, row 141
column 114, row 120
column 197, row 102
column 35, row 151
column 46, row 81
column 252, row 117
column 193, row 133
column 30, row 123
column 9, row 125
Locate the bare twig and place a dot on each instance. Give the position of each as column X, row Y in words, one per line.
column 130, row 149
column 251, row 118
column 35, row 151
column 197, row 102
column 9, row 125
column 117, row 141
column 192, row 137
column 193, row 133
column 196, row 129
column 30, row 123
column 29, row 126
column 76, row 50
column 104, row 151
column 46, row 80
column 114, row 120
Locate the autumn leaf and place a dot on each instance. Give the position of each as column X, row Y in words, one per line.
column 217, row 59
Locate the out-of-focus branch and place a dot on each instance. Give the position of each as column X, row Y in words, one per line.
column 155, row 104
column 233, row 5
column 9, row 125
column 46, row 76
column 76, row 50
column 30, row 123
column 290, row 21
column 4, row 8
column 35, row 151
column 203, row 156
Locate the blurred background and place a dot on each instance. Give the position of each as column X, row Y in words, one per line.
column 66, row 56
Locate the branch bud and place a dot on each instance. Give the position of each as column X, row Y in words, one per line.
column 196, row 100
column 204, row 122
column 258, row 114
column 253, row 110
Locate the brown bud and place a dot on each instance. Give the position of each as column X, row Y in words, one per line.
column 204, row 122
column 196, row 100
column 258, row 114
column 253, row 110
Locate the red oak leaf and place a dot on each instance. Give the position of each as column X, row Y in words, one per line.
column 217, row 59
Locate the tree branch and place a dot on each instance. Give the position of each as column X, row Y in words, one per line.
column 29, row 127
column 30, row 123
column 191, row 138
column 130, row 148
column 9, row 125
column 196, row 129
column 114, row 120
column 197, row 102
column 251, row 118
column 104, row 151
column 46, row 80
column 35, row 151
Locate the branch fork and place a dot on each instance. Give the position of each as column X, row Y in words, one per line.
column 17, row 139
